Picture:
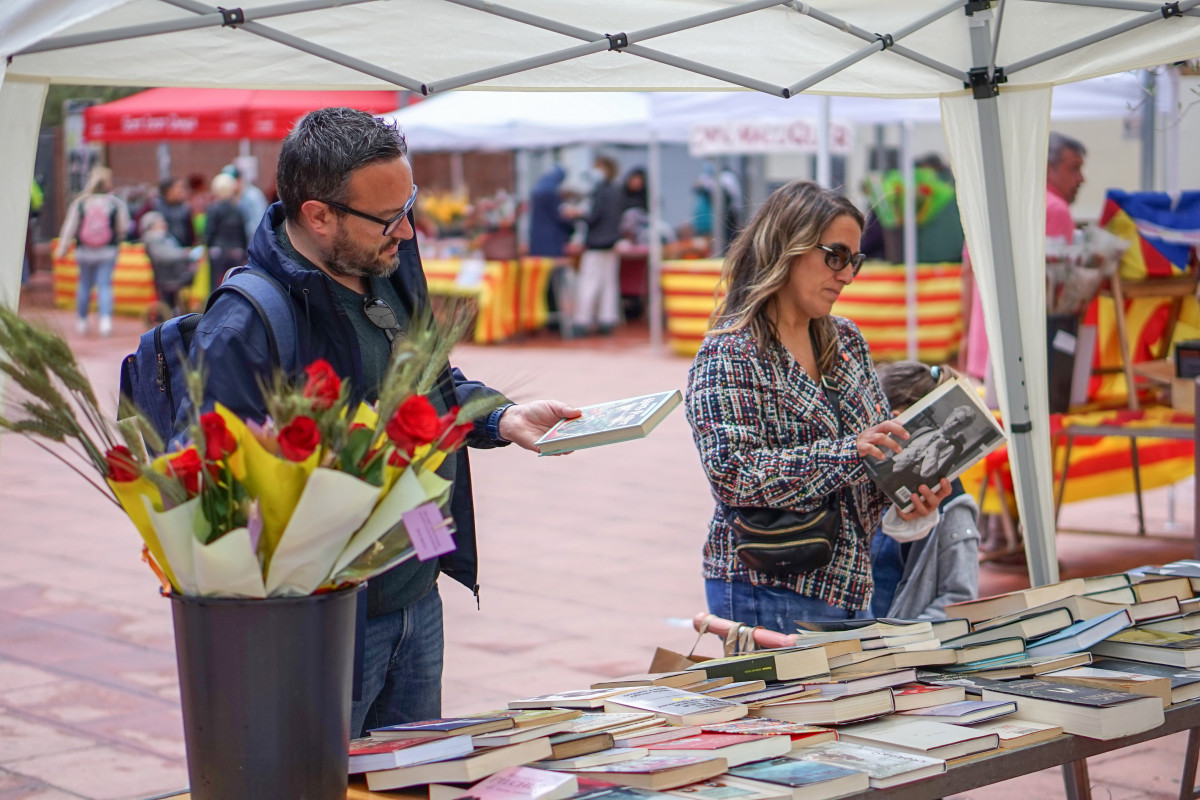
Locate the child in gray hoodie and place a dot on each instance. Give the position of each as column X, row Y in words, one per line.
column 916, row 578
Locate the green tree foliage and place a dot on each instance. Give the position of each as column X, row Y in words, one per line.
column 52, row 114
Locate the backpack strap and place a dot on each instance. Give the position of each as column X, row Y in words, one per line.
column 272, row 302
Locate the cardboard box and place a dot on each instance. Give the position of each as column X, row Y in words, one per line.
column 1182, row 391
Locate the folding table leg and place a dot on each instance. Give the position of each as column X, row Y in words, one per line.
column 1137, row 484
column 1075, row 780
column 1187, row 783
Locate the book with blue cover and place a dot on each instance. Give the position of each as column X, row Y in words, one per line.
column 1081, row 635
column 805, row 778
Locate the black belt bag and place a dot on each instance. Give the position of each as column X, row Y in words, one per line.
column 782, row 541
column 779, row 541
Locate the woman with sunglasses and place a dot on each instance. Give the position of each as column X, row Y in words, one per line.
column 784, row 404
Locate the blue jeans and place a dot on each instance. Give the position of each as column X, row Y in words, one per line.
column 887, row 568
column 772, row 608
column 94, row 272
column 402, row 667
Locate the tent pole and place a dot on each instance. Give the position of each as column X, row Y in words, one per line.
column 1100, row 36
column 875, row 38
column 910, row 236
column 208, row 18
column 1149, row 131
column 654, row 197
column 1039, row 540
column 824, row 167
column 1120, row 5
column 313, row 49
column 630, row 46
column 717, row 197
column 1171, row 133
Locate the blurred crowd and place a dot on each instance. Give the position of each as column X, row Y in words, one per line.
column 180, row 222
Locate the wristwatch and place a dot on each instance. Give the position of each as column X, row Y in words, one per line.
column 493, row 423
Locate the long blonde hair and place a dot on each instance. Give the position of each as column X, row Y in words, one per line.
column 759, row 262
column 99, row 181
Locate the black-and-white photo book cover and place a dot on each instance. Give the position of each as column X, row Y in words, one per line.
column 949, row 430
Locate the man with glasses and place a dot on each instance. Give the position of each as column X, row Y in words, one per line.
column 341, row 244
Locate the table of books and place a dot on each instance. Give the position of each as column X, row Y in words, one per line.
column 829, row 702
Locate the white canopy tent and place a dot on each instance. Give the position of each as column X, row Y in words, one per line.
column 1009, row 52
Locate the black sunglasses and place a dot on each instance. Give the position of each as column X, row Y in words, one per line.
column 838, row 257
column 389, row 225
column 380, row 315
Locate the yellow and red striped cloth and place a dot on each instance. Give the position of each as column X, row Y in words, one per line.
column 876, row 302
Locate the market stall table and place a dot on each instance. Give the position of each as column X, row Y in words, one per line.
column 510, row 295
column 1069, row 752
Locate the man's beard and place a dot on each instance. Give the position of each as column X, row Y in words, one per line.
column 347, row 258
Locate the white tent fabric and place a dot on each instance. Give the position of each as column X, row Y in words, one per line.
column 474, row 120
column 918, row 48
column 1024, row 137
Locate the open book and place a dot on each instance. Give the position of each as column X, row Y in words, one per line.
column 606, row 423
column 949, row 430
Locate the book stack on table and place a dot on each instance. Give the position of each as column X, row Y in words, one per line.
column 854, row 705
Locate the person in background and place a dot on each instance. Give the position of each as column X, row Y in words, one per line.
column 598, row 296
column 784, row 404
column 37, row 199
column 341, row 241
column 173, row 204
column 174, row 265
column 1064, row 176
column 224, row 229
column 95, row 221
column 917, row 570
column 549, row 228
column 250, row 200
column 634, row 190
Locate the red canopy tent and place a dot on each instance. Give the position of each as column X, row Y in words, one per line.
column 160, row 114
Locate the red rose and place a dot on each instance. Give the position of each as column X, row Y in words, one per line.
column 323, row 386
column 186, row 467
column 299, row 438
column 218, row 441
column 415, row 423
column 399, row 458
column 121, row 466
column 452, row 435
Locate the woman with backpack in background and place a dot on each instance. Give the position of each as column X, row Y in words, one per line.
column 96, row 222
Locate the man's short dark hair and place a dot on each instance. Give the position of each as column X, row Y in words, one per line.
column 1059, row 143
column 323, row 151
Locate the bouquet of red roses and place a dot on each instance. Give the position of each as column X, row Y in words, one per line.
column 324, row 494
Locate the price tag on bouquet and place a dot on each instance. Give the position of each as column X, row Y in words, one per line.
column 429, row 530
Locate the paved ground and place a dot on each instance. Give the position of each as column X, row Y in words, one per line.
column 589, row 562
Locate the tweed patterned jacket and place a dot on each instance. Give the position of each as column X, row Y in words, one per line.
column 768, row 437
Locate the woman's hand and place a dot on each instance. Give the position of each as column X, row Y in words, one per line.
column 872, row 439
column 926, row 501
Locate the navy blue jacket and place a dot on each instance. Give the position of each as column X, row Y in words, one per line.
column 233, row 341
column 548, row 230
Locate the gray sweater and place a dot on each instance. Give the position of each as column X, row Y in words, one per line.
column 943, row 567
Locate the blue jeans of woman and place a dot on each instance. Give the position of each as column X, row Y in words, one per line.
column 773, row 609
column 95, row 271
column 402, row 667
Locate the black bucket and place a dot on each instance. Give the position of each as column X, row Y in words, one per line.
column 265, row 687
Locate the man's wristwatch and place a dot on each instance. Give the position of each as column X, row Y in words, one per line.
column 493, row 423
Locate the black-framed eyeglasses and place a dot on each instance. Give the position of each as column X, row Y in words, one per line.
column 380, row 315
column 389, row 225
column 838, row 257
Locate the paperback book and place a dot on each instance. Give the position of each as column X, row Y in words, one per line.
column 368, row 753
column 1081, row 710
column 735, row 748
column 921, row 737
column 608, row 423
column 963, row 712
column 658, row 772
column 949, row 430
column 884, row 768
column 805, row 779
column 676, row 706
